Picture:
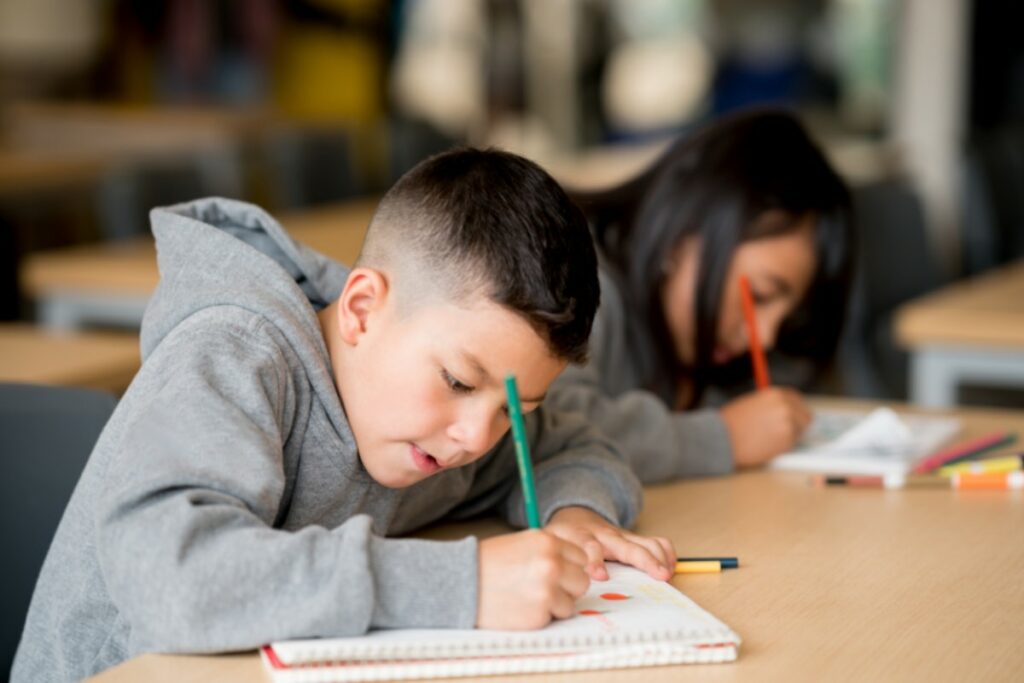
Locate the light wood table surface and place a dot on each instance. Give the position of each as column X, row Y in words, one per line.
column 48, row 145
column 835, row 584
column 97, row 360
column 25, row 173
column 111, row 282
column 119, row 131
column 972, row 330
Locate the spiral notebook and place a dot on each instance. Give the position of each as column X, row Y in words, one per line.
column 628, row 621
column 878, row 442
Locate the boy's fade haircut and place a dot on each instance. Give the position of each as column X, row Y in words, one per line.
column 487, row 222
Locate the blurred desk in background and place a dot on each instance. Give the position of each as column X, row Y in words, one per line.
column 970, row 331
column 111, row 283
column 24, row 173
column 860, row 161
column 96, row 360
column 103, row 126
column 120, row 134
column 141, row 151
column 598, row 168
column 166, row 154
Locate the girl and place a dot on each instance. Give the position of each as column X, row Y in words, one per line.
column 752, row 195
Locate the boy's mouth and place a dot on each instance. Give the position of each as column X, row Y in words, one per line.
column 424, row 461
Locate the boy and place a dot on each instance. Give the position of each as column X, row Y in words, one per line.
column 290, row 415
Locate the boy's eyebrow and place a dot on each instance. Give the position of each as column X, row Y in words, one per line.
column 479, row 368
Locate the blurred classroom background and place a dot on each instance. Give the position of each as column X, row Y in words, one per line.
column 312, row 108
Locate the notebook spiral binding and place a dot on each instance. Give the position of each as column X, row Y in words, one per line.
column 512, row 646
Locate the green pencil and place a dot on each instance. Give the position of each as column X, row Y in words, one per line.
column 515, row 414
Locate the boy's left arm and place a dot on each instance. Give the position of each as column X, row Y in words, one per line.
column 586, row 494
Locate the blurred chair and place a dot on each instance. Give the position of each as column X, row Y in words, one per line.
column 895, row 263
column 410, row 141
column 149, row 155
column 130, row 192
column 993, row 219
column 311, row 165
column 46, row 435
column 9, row 293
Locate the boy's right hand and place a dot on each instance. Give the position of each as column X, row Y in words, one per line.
column 528, row 578
column 764, row 423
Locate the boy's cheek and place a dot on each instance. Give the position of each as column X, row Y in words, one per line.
column 499, row 434
column 472, row 459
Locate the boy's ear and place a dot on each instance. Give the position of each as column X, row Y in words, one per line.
column 365, row 294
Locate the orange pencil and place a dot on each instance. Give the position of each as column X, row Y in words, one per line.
column 756, row 352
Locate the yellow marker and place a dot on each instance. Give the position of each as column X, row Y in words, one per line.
column 698, row 567
column 1008, row 464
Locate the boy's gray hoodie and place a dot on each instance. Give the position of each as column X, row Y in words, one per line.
column 225, row 505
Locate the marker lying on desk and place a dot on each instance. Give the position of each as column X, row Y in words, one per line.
column 705, row 565
column 726, row 562
column 1010, row 463
column 964, row 451
column 515, row 414
column 965, row 481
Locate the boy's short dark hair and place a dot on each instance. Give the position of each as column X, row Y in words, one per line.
column 491, row 222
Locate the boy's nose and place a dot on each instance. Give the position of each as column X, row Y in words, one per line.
column 474, row 431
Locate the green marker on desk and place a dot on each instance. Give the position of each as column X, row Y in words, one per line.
column 515, row 414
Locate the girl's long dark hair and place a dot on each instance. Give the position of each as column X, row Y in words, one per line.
column 715, row 184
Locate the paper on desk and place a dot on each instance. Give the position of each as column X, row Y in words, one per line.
column 882, row 431
column 855, row 442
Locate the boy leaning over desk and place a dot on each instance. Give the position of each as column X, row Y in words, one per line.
column 290, row 415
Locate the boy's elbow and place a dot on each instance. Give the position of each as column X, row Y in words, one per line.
column 189, row 627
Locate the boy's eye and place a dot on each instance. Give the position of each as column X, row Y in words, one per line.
column 528, row 408
column 454, row 384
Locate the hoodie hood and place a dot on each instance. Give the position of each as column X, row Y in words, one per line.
column 215, row 252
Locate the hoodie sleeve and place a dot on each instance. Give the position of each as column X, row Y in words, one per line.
column 186, row 529
column 574, row 465
column 659, row 444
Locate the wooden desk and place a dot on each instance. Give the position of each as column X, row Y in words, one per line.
column 113, row 141
column 972, row 330
column 127, row 131
column 98, row 360
column 835, row 584
column 111, row 283
column 27, row 173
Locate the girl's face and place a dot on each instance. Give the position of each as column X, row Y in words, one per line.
column 779, row 268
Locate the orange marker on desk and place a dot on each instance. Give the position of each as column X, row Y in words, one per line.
column 756, row 352
column 988, row 481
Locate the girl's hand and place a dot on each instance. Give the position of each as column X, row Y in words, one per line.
column 764, row 423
